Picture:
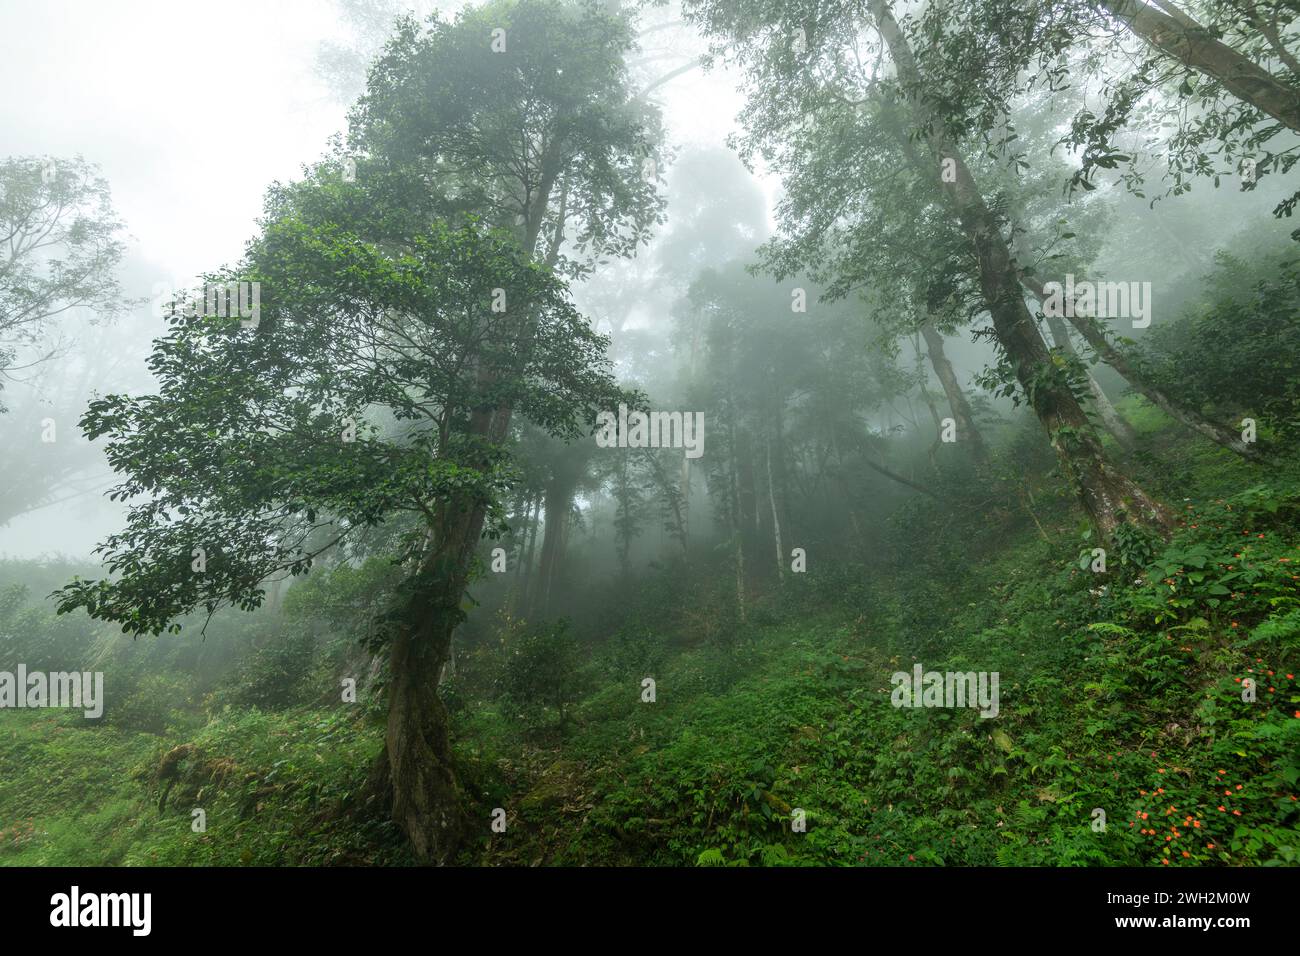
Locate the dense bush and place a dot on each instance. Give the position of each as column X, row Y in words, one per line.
column 543, row 676
column 1238, row 354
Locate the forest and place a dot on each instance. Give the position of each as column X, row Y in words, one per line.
column 676, row 433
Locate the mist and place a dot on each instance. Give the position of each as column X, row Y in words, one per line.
column 700, row 433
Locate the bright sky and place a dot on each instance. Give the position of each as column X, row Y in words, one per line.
column 192, row 108
column 190, row 112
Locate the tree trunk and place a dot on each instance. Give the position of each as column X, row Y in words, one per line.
column 417, row 748
column 749, row 515
column 1092, row 334
column 1194, row 47
column 1110, row 417
column 555, row 537
column 624, row 505
column 524, row 570
column 1108, row 496
column 737, row 520
column 685, row 505
column 417, row 742
column 776, row 518
column 416, row 766
column 415, row 770
column 961, row 412
column 673, row 500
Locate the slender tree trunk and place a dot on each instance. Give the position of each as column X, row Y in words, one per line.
column 684, row 505
column 776, row 518
column 1108, row 496
column 1092, row 333
column 961, row 413
column 737, row 522
column 749, row 514
column 623, row 530
column 1110, row 416
column 672, row 506
column 930, row 403
column 524, row 570
column 1194, row 47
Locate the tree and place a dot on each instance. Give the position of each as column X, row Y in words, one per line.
column 60, row 247
column 543, row 670
column 1223, row 86
column 1107, row 495
column 365, row 393
column 536, row 127
column 545, row 137
column 566, row 468
column 823, row 110
column 442, row 325
column 961, row 410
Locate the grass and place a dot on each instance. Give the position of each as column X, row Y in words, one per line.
column 1120, row 694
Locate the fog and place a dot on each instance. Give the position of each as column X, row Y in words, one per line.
column 704, row 432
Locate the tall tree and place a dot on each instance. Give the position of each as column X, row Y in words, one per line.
column 963, row 418
column 1109, row 496
column 520, row 112
column 817, row 102
column 377, row 385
